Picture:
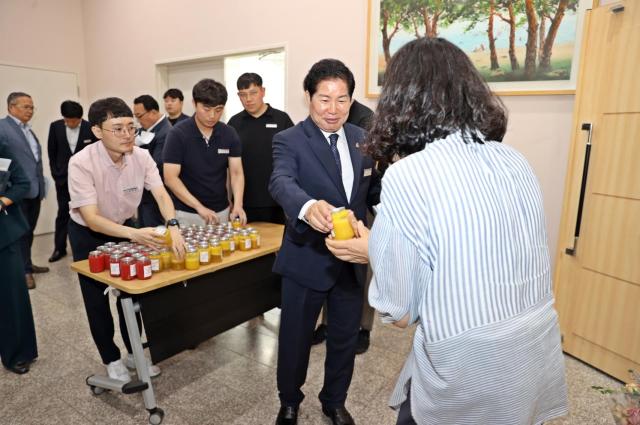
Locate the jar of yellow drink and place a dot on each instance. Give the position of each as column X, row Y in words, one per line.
column 342, row 229
column 164, row 233
column 215, row 250
column 225, row 244
column 156, row 261
column 245, row 241
column 236, row 223
column 237, row 237
column 165, row 258
column 191, row 258
column 176, row 263
column 255, row 238
column 203, row 252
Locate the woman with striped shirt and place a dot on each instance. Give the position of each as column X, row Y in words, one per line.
column 459, row 248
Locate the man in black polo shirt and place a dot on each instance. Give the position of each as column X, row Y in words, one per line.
column 197, row 153
column 256, row 126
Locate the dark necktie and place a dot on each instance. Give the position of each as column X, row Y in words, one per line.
column 333, row 139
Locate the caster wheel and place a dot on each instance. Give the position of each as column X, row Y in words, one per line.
column 96, row 390
column 156, row 417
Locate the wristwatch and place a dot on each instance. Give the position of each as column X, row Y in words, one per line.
column 173, row 222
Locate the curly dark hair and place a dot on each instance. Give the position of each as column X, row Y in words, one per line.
column 431, row 90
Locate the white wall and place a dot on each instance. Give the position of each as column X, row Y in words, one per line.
column 123, row 40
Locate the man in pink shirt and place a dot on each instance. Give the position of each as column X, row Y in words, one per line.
column 106, row 181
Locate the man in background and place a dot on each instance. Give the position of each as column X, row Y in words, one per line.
column 173, row 100
column 155, row 127
column 197, row 154
column 16, row 132
column 67, row 137
column 256, row 126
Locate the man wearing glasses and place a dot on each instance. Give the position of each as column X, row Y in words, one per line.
column 106, row 181
column 256, row 126
column 17, row 133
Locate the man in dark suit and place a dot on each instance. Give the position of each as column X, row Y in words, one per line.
column 67, row 137
column 155, row 127
column 16, row 132
column 317, row 166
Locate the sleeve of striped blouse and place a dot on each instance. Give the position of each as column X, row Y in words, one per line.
column 395, row 262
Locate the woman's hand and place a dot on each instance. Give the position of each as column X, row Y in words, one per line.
column 354, row 250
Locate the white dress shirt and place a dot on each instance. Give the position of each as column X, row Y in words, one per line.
column 72, row 137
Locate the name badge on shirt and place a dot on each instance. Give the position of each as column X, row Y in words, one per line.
column 132, row 189
column 87, row 141
column 357, row 145
column 223, row 151
column 367, row 172
column 270, row 125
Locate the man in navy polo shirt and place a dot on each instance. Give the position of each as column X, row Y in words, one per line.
column 197, row 153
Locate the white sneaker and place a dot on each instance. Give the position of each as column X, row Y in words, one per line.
column 131, row 364
column 116, row 370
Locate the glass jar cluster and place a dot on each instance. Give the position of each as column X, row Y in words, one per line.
column 204, row 245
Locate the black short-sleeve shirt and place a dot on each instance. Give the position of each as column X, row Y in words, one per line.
column 256, row 135
column 203, row 165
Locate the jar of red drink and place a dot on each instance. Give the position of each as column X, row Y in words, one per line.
column 96, row 261
column 127, row 268
column 114, row 264
column 143, row 268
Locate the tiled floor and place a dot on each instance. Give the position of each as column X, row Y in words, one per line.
column 229, row 379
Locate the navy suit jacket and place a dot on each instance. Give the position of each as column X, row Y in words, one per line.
column 304, row 169
column 155, row 148
column 58, row 147
column 12, row 135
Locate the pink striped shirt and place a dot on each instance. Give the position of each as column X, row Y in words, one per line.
column 94, row 179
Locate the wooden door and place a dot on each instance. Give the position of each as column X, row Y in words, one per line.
column 597, row 277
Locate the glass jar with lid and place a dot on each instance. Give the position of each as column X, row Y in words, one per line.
column 191, row 258
column 215, row 250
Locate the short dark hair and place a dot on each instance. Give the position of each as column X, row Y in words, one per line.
column 174, row 93
column 105, row 109
column 328, row 69
column 431, row 90
column 71, row 109
column 248, row 78
column 13, row 97
column 148, row 102
column 209, row 92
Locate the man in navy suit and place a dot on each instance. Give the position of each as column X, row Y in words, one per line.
column 317, row 166
column 16, row 132
column 67, row 137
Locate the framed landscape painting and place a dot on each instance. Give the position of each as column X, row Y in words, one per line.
column 520, row 47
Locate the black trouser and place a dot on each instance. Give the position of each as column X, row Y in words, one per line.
column 267, row 214
column 404, row 416
column 96, row 303
column 31, row 210
column 300, row 309
column 62, row 218
column 149, row 215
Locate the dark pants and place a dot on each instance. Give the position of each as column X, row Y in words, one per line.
column 31, row 210
column 404, row 416
column 267, row 214
column 17, row 331
column 96, row 303
column 300, row 309
column 149, row 215
column 62, row 219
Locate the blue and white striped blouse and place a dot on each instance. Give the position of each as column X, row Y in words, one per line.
column 459, row 245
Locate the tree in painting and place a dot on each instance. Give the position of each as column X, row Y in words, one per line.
column 507, row 40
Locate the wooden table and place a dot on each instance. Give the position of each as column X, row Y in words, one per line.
column 181, row 309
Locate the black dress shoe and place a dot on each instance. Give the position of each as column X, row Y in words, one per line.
column 338, row 415
column 287, row 416
column 363, row 341
column 31, row 282
column 39, row 269
column 319, row 335
column 57, row 255
column 20, row 368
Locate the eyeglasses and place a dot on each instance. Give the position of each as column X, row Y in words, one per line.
column 141, row 115
column 122, row 131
